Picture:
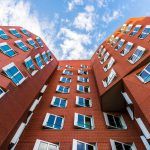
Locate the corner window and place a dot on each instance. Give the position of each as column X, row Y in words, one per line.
column 14, row 73
column 44, row 145
column 14, row 32
column 67, row 72
column 122, row 41
column 136, row 29
column 82, row 72
column 128, row 28
column 115, row 41
column 114, row 121
column 102, row 53
column 7, row 50
column 100, row 49
column 79, row 145
column 52, row 121
column 2, row 92
column 116, row 145
column 39, row 41
column 30, row 66
column 65, row 80
column 39, row 61
column 123, row 27
column 62, row 89
column 68, row 66
column 32, row 43
column 105, row 58
column 109, row 65
column 136, row 55
column 83, row 89
column 127, row 49
column 82, row 79
column 83, row 102
column 49, row 54
column 45, row 57
column 83, row 121
column 144, row 75
column 59, row 102
column 107, row 81
column 21, row 45
column 110, row 39
column 25, row 32
column 83, row 66
column 3, row 35
column 145, row 32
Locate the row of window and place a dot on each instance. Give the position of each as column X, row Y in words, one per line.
column 7, row 50
column 14, row 32
column 69, row 66
column 79, row 79
column 127, row 28
column 13, row 73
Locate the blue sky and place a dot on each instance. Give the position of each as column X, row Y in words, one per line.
column 72, row 29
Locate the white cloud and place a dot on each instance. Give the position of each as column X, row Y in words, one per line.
column 74, row 44
column 73, row 3
column 18, row 13
column 107, row 18
column 101, row 3
column 85, row 20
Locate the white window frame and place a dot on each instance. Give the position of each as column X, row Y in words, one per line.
column 83, row 66
column 105, row 58
column 79, row 72
column 127, row 98
column 113, row 127
column 145, row 142
column 136, row 31
column 20, row 41
column 40, row 41
column 38, row 141
column 127, row 51
column 11, row 29
column 44, row 53
column 78, row 86
column 3, row 93
column 85, row 99
column 82, row 79
column 100, row 49
column 71, row 73
column 81, row 127
column 69, row 66
column 109, row 65
column 147, row 26
column 129, row 27
column 110, row 39
column 102, row 53
column 61, row 80
column 30, row 39
column 115, row 41
column 53, row 99
column 119, row 45
column 38, row 55
column 123, row 27
column 57, row 89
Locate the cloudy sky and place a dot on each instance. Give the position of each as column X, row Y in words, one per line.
column 72, row 29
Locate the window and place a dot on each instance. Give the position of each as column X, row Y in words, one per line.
column 105, row 58
column 30, row 66
column 39, row 41
column 115, row 41
column 83, row 102
column 24, row 31
column 65, row 80
column 39, row 61
column 107, row 81
column 68, row 66
column 79, row 145
column 123, row 27
column 59, row 67
column 114, row 121
column 122, row 146
column 45, row 57
column 128, row 28
column 102, row 53
column 43, row 145
column 145, row 142
column 136, row 55
column 122, row 41
column 145, row 32
column 59, row 102
column 3, row 35
column 127, row 49
column 109, row 65
column 110, row 39
column 83, row 121
column 100, row 49
column 2, row 92
column 49, row 54
column 7, row 50
column 52, row 121
column 62, row 89
column 15, row 32
column 14, row 73
column 83, row 89
column 21, row 45
column 67, row 72
column 136, row 29
column 144, row 75
column 83, row 66
column 32, row 43
column 82, row 72
column 82, row 79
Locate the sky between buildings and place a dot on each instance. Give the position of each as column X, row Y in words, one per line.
column 72, row 29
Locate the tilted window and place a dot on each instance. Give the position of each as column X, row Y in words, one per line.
column 49, row 54
column 21, row 45
column 32, row 43
column 123, row 27
column 62, row 89
column 67, row 72
column 136, row 55
column 83, row 66
column 120, row 44
column 145, row 32
column 59, row 102
column 39, row 61
column 45, row 58
column 127, row 49
column 14, row 32
column 3, row 35
column 83, row 89
column 144, row 75
column 24, row 31
column 82, row 72
column 115, row 41
column 14, row 73
column 2, row 92
column 82, row 79
column 52, row 121
column 100, row 49
column 68, row 66
column 109, row 65
column 83, row 102
column 105, row 58
column 65, row 80
column 39, row 41
column 102, row 53
column 136, row 30
column 114, row 121
column 83, row 122
column 128, row 28
column 110, row 39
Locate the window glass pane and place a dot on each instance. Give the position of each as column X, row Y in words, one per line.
column 111, row 120
column 118, row 146
column 52, row 147
column 43, row 146
column 80, row 120
column 118, row 122
column 63, row 103
column 57, row 101
column 80, row 146
column 58, row 122
column 88, row 122
column 89, row 147
column 50, row 121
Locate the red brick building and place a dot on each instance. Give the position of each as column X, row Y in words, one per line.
column 102, row 103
